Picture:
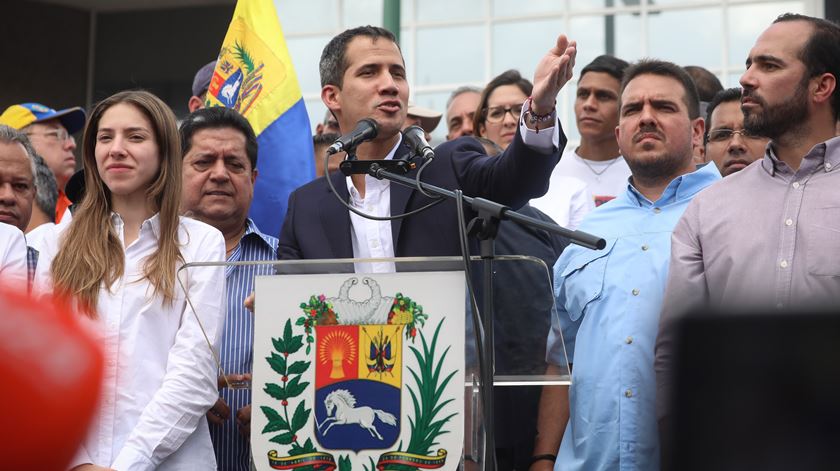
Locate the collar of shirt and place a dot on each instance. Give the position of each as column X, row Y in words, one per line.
column 151, row 224
column 252, row 233
column 679, row 189
column 826, row 154
column 371, row 183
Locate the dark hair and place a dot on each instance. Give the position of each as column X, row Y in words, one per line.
column 490, row 147
column 723, row 96
column 214, row 118
column 607, row 64
column 706, row 82
column 821, row 53
column 46, row 189
column 324, row 139
column 334, row 60
column 508, row 77
column 665, row 69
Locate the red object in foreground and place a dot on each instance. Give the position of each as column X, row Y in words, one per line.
column 51, row 370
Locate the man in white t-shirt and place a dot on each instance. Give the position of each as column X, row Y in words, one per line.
column 597, row 161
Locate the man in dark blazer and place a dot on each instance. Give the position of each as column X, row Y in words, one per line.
column 363, row 76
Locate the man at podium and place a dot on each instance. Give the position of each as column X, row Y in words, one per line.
column 363, row 76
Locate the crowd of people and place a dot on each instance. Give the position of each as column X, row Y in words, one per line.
column 671, row 170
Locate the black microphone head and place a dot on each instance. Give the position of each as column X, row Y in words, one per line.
column 412, row 132
column 369, row 127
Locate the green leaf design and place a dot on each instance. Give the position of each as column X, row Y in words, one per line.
column 300, row 416
column 287, row 332
column 276, row 422
column 283, row 438
column 279, row 345
column 276, row 391
column 295, row 344
column 278, row 363
column 344, row 463
column 298, row 367
column 294, row 387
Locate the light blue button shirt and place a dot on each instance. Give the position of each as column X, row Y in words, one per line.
column 608, row 304
column 233, row 452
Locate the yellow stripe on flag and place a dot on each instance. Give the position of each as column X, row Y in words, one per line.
column 254, row 72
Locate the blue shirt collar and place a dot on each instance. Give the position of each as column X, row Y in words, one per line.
column 679, row 189
column 251, row 228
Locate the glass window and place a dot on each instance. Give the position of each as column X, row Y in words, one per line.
column 628, row 37
column 580, row 5
column 297, row 17
column 450, row 55
column 362, row 12
column 590, row 34
column 503, row 8
column 448, row 10
column 566, row 113
column 521, row 45
column 746, row 22
column 316, row 110
column 306, row 53
column 672, row 41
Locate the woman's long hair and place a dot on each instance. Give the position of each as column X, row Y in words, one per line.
column 91, row 256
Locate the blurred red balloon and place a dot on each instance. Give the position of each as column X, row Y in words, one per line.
column 51, row 370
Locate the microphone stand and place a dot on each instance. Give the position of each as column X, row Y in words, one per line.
column 484, row 227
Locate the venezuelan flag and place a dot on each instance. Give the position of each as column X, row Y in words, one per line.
column 254, row 75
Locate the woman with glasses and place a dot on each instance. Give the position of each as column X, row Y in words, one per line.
column 500, row 105
column 117, row 261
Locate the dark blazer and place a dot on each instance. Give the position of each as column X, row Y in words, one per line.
column 318, row 226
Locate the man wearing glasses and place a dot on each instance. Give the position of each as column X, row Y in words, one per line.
column 50, row 132
column 728, row 144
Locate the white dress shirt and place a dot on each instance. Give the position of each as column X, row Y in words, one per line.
column 160, row 377
column 35, row 238
column 373, row 239
column 12, row 258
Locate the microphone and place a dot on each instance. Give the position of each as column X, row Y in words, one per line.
column 365, row 130
column 416, row 138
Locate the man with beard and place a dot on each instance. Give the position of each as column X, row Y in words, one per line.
column 608, row 301
column 728, row 144
column 789, row 202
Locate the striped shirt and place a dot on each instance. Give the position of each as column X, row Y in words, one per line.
column 31, row 264
column 233, row 452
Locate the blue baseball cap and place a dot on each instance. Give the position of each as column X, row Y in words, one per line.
column 24, row 114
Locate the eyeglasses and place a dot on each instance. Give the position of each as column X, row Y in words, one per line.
column 60, row 135
column 724, row 134
column 496, row 114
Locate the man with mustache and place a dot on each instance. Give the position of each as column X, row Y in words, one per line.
column 608, row 301
column 789, row 200
column 219, row 170
column 728, row 144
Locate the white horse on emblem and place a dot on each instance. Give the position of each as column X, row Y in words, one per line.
column 229, row 90
column 344, row 404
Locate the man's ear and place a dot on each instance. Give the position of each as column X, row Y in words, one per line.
column 331, row 96
column 254, row 176
column 698, row 129
column 823, row 87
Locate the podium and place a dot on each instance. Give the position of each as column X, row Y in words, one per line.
column 381, row 370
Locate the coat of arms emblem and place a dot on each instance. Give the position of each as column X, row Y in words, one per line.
column 361, row 383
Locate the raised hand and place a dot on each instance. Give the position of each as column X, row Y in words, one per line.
column 553, row 71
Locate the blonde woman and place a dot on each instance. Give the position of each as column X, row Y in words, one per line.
column 117, row 261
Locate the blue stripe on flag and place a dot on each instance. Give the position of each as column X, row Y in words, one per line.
column 285, row 161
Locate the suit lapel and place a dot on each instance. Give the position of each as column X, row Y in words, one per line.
column 399, row 197
column 335, row 218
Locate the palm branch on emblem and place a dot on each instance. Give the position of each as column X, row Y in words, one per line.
column 251, row 85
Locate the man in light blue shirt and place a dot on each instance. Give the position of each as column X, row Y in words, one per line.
column 608, row 301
